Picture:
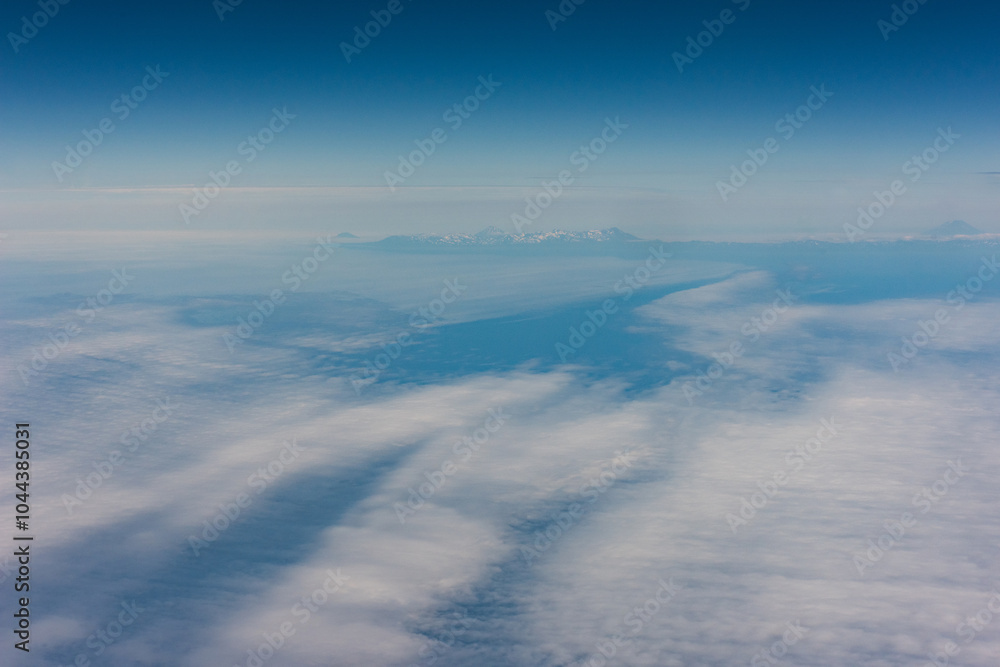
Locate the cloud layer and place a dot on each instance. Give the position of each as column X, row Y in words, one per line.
column 532, row 515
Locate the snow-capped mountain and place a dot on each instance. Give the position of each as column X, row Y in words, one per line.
column 494, row 236
column 490, row 234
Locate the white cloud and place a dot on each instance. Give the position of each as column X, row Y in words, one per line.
column 457, row 561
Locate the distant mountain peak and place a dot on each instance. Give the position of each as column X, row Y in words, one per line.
column 953, row 228
column 494, row 236
column 490, row 232
column 346, row 235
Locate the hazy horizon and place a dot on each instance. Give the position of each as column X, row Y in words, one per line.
column 347, row 119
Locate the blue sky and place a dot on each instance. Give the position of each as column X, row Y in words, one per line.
column 353, row 120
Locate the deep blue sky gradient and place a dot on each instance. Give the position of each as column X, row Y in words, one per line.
column 608, row 59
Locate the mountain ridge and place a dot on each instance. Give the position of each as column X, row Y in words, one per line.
column 494, row 236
